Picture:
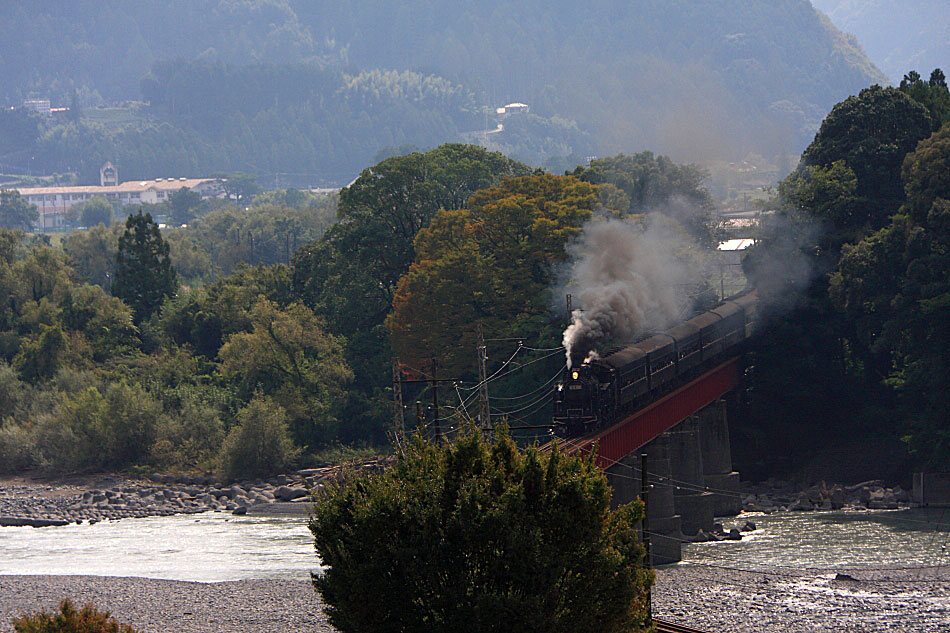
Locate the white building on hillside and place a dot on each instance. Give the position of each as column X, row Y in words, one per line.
column 512, row 108
column 53, row 202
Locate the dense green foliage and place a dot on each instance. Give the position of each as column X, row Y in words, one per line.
column 69, row 620
column 259, row 445
column 861, row 347
column 478, row 536
column 81, row 387
column 15, row 212
column 307, row 339
column 932, row 94
column 657, row 184
column 894, row 286
column 144, row 276
column 871, row 133
column 350, row 275
column 92, row 212
column 488, row 265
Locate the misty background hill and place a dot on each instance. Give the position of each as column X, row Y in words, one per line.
column 898, row 35
column 312, row 91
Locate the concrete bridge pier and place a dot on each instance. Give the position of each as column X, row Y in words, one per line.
column 717, row 460
column 692, row 502
column 624, row 477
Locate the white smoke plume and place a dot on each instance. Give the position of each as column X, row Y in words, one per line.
column 627, row 280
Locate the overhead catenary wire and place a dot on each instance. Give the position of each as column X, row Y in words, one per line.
column 494, row 375
column 543, row 396
column 532, row 412
column 530, row 393
column 520, row 367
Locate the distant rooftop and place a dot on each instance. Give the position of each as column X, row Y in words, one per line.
column 736, row 245
column 173, row 184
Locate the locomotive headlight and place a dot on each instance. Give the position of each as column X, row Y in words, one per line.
column 574, row 375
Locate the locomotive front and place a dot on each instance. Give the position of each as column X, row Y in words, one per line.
column 576, row 401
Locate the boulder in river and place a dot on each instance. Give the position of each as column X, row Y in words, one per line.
column 286, row 493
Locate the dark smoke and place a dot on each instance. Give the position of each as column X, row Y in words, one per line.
column 627, row 280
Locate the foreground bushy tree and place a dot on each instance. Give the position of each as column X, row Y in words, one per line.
column 478, row 536
column 70, row 620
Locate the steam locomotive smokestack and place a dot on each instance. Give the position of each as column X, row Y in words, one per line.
column 629, row 281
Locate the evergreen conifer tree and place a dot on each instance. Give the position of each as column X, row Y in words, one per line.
column 144, row 276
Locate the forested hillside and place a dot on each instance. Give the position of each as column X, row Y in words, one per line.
column 898, row 36
column 309, row 123
column 270, row 85
column 694, row 79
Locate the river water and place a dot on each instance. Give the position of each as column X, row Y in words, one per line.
column 218, row 546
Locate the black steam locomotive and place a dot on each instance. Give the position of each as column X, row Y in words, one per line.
column 600, row 392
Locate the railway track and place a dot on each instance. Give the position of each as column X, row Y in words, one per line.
column 664, row 626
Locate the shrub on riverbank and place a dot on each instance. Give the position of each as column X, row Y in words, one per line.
column 479, row 536
column 260, row 444
column 69, row 620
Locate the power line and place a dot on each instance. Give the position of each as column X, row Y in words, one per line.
column 492, row 377
column 530, row 393
column 543, row 396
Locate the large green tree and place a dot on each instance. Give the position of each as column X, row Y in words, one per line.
column 92, row 212
column 481, row 537
column 289, row 356
column 895, row 286
column 144, row 276
column 349, row 276
column 870, row 133
column 92, row 253
column 657, row 184
column 491, row 262
column 932, row 94
column 15, row 212
column 184, row 205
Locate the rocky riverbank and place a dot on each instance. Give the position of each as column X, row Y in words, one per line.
column 714, row 600
column 42, row 503
column 39, row 503
column 780, row 496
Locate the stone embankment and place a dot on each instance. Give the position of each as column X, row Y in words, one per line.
column 24, row 503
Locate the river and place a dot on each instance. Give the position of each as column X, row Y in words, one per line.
column 218, row 546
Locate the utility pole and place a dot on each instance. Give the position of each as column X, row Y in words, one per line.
column 484, row 412
column 570, row 306
column 645, row 496
column 398, row 416
column 722, row 281
column 435, row 403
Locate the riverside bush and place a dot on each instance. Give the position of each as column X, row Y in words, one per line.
column 92, row 430
column 260, row 444
column 480, row 537
column 69, row 620
column 192, row 436
column 17, row 449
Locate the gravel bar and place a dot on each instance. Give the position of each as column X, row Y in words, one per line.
column 168, row 606
column 712, row 599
